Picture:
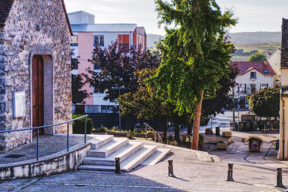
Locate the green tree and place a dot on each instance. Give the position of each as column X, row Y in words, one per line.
column 265, row 103
column 257, row 57
column 196, row 54
column 78, row 95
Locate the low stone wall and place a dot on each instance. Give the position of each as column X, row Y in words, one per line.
column 57, row 163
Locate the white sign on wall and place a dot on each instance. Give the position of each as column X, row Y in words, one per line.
column 19, row 104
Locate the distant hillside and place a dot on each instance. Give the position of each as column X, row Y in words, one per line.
column 237, row 38
column 152, row 38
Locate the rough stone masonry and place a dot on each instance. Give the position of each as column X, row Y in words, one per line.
column 34, row 27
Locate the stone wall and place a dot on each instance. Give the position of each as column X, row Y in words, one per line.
column 34, row 27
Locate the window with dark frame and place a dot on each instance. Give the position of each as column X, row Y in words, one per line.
column 253, row 75
column 241, row 88
column 99, row 40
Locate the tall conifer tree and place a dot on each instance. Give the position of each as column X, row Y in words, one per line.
column 196, row 54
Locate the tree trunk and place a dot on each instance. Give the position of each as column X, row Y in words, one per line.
column 196, row 124
column 162, row 124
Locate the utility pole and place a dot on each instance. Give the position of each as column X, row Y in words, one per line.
column 233, row 106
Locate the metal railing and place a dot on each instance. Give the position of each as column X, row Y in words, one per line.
column 41, row 127
column 147, row 127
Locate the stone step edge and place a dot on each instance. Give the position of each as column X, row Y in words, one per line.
column 111, row 162
column 107, row 152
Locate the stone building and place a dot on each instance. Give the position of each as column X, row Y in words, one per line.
column 283, row 147
column 35, row 74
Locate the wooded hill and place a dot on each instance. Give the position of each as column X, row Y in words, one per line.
column 236, row 38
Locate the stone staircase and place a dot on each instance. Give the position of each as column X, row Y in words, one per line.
column 105, row 148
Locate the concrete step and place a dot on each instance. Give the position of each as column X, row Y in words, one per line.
column 122, row 153
column 109, row 148
column 131, row 162
column 159, row 155
column 203, row 156
column 100, row 140
column 138, row 158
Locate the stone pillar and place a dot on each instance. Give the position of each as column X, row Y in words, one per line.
column 283, row 145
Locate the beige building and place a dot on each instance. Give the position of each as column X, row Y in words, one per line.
column 283, row 148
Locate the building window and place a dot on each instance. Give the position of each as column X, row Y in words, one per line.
column 253, row 89
column 99, row 40
column 253, row 75
column 262, row 86
column 74, row 41
column 241, row 88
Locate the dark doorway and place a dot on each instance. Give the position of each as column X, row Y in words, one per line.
column 37, row 94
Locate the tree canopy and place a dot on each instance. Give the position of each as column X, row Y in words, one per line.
column 117, row 69
column 257, row 57
column 196, row 54
column 265, row 103
column 78, row 95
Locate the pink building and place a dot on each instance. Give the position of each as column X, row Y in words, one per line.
column 86, row 35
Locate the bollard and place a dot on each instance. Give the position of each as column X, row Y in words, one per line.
column 170, row 168
column 230, row 172
column 118, row 169
column 279, row 178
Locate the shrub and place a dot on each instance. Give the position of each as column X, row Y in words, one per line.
column 79, row 125
column 265, row 103
column 100, row 130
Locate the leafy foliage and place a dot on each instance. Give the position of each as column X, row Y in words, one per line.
column 117, row 69
column 79, row 125
column 196, row 54
column 265, row 103
column 257, row 57
column 221, row 100
column 78, row 95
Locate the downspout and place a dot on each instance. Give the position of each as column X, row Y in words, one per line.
column 283, row 137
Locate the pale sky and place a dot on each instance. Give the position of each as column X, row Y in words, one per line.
column 253, row 15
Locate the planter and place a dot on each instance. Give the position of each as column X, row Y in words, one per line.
column 139, row 135
column 208, row 131
column 100, row 133
column 226, row 134
column 255, row 126
column 222, row 146
column 241, row 126
column 118, row 134
column 248, row 126
column 247, row 117
column 261, row 124
column 233, row 126
column 255, row 145
column 268, row 124
column 139, row 130
column 275, row 124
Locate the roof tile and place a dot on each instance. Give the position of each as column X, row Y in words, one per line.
column 245, row 67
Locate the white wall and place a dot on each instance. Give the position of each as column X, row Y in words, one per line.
column 274, row 61
column 81, row 18
column 260, row 79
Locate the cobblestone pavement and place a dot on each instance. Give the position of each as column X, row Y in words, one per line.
column 191, row 175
